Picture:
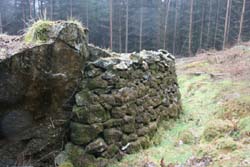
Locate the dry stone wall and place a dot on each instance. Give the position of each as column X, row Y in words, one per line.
column 121, row 102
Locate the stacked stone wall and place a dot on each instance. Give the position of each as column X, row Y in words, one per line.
column 122, row 100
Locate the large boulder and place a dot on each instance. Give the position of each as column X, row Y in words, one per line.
column 37, row 83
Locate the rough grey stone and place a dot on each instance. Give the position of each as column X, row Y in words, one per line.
column 96, row 147
column 112, row 136
column 83, row 134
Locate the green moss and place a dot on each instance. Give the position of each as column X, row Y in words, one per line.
column 244, row 126
column 82, row 134
column 91, row 114
column 66, row 164
column 73, row 151
column 78, row 157
column 97, row 83
column 226, row 144
column 39, row 32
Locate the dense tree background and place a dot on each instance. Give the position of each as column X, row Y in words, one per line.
column 183, row 27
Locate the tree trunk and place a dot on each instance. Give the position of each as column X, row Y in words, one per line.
column 202, row 25
column 120, row 31
column 190, row 27
column 1, row 24
column 216, row 23
column 126, row 40
column 141, row 24
column 23, row 13
column 34, row 8
column 71, row 9
column 226, row 25
column 166, row 24
column 241, row 20
column 229, row 20
column 30, row 6
column 175, row 26
column 51, row 9
column 111, row 23
column 87, row 13
column 209, row 23
column 41, row 9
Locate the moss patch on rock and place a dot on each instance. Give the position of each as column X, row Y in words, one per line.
column 39, row 32
column 67, row 164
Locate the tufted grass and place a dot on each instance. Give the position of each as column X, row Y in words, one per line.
column 38, row 32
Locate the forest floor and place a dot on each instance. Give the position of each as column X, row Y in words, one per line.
column 214, row 129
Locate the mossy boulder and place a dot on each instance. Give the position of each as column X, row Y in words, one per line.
column 78, row 157
column 96, row 147
column 97, row 83
column 39, row 79
column 113, row 123
column 217, row 128
column 44, row 31
column 112, row 150
column 91, row 114
column 73, row 151
column 141, row 143
column 112, row 135
column 83, row 97
column 129, row 126
column 83, row 134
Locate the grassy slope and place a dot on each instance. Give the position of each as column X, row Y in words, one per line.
column 215, row 121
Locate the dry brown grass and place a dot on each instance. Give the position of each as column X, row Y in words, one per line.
column 233, row 63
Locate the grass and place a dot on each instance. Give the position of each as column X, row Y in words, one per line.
column 206, row 127
column 39, row 32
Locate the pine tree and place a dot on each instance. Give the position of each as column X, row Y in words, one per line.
column 241, row 20
column 190, row 27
